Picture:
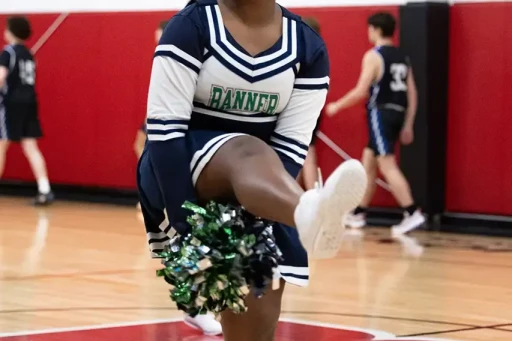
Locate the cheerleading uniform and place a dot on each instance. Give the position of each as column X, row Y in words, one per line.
column 206, row 89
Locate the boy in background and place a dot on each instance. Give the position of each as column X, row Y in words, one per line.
column 19, row 121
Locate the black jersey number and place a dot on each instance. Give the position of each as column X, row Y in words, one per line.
column 399, row 73
column 27, row 72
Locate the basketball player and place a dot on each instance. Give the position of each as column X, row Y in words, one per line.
column 309, row 174
column 207, row 323
column 236, row 89
column 387, row 75
column 19, row 120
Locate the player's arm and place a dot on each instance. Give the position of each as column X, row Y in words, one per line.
column 5, row 64
column 369, row 71
column 412, row 99
column 407, row 133
column 296, row 123
column 176, row 65
column 140, row 141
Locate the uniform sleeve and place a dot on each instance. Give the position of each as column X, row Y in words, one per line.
column 297, row 122
column 6, row 58
column 176, row 64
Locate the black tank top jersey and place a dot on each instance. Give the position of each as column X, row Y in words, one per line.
column 20, row 85
column 391, row 90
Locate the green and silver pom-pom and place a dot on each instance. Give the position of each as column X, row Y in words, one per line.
column 227, row 252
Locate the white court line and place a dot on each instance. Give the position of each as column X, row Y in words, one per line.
column 90, row 327
column 379, row 335
column 376, row 333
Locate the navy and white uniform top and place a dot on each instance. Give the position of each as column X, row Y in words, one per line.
column 390, row 90
column 20, row 83
column 203, row 80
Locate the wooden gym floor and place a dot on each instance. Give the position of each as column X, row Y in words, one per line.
column 82, row 272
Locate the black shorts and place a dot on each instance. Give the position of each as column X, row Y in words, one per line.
column 384, row 126
column 20, row 121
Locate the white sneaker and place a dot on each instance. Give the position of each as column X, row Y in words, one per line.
column 319, row 214
column 207, row 323
column 355, row 221
column 409, row 223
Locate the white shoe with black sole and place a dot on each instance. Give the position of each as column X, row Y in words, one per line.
column 408, row 224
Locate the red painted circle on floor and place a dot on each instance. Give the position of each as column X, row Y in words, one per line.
column 178, row 331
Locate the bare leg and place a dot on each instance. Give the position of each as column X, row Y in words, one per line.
column 4, row 145
column 396, row 180
column 370, row 165
column 310, row 171
column 37, row 163
column 249, row 169
column 258, row 323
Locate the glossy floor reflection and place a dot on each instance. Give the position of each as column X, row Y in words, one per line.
column 78, row 265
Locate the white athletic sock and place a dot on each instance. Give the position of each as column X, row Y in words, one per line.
column 43, row 185
column 304, row 215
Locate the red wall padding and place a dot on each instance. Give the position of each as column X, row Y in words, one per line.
column 479, row 165
column 92, row 80
column 93, row 75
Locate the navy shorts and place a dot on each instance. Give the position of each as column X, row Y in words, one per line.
column 19, row 121
column 202, row 145
column 384, row 126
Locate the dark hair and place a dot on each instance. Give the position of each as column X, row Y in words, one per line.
column 163, row 24
column 385, row 22
column 313, row 23
column 19, row 27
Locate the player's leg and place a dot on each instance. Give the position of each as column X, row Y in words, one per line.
column 5, row 129
column 389, row 125
column 31, row 132
column 4, row 145
column 357, row 218
column 38, row 166
column 259, row 322
column 396, row 179
column 310, row 169
column 247, row 169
